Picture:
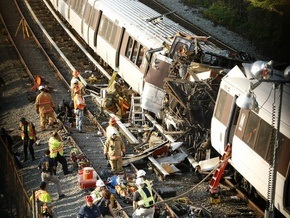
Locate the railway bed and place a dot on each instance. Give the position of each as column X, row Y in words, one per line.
column 90, row 144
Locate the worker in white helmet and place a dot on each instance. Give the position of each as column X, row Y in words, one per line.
column 97, row 193
column 142, row 174
column 114, row 151
column 45, row 108
column 143, row 201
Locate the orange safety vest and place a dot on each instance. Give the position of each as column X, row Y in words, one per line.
column 79, row 102
column 55, row 146
column 30, row 131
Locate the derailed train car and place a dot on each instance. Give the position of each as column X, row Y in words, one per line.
column 252, row 133
column 136, row 41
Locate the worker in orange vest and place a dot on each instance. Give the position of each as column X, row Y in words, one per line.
column 79, row 106
column 45, row 108
column 44, row 201
column 56, row 152
column 28, row 135
column 76, row 83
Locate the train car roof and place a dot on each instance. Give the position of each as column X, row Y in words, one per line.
column 264, row 94
column 134, row 16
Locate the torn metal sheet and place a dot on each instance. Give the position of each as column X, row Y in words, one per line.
column 175, row 145
column 170, row 168
column 208, row 165
column 173, row 159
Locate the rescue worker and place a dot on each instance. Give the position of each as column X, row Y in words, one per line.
column 142, row 174
column 48, row 168
column 56, row 152
column 75, row 83
column 143, row 201
column 28, row 135
column 79, row 106
column 90, row 210
column 97, row 192
column 75, row 87
column 116, row 98
column 112, row 127
column 44, row 200
column 105, row 205
column 45, row 108
column 114, row 150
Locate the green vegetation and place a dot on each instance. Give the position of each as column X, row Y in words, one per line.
column 264, row 22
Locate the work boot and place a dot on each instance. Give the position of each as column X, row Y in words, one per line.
column 61, row 196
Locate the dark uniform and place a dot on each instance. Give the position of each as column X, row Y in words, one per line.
column 47, row 166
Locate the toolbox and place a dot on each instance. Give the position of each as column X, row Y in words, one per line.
column 166, row 192
column 88, row 184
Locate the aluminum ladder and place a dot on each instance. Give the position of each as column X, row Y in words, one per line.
column 136, row 111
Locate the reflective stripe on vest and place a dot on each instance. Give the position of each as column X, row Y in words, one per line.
column 54, row 147
column 42, row 196
column 30, row 131
column 145, row 200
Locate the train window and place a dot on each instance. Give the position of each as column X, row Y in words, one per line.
column 87, row 13
column 129, row 47
column 94, row 19
column 263, row 139
column 135, row 51
column 223, row 107
column 113, row 34
column 283, row 155
column 251, row 129
column 140, row 56
column 73, row 4
column 108, row 33
column 104, row 27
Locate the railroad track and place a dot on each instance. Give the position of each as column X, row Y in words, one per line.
column 89, row 143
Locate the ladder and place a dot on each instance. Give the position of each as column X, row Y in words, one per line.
column 136, row 111
column 215, row 180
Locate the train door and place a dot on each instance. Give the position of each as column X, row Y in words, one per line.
column 224, row 120
column 232, row 122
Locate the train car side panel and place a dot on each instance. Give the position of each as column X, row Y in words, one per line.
column 251, row 141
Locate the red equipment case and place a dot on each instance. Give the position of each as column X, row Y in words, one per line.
column 88, row 184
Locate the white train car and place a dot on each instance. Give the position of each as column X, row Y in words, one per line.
column 130, row 37
column 249, row 132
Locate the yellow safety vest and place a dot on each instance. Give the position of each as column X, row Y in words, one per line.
column 145, row 200
column 55, row 146
column 42, row 195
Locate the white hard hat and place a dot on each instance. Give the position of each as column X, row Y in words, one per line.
column 40, row 87
column 112, row 131
column 75, row 81
column 140, row 173
column 100, row 183
column 139, row 181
